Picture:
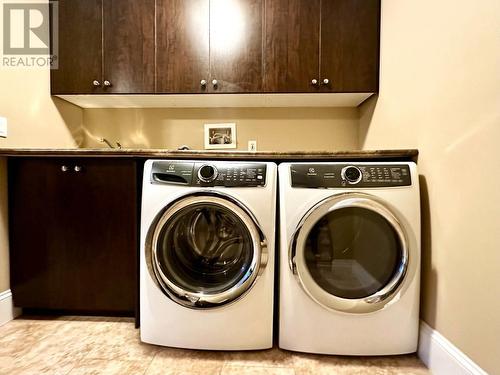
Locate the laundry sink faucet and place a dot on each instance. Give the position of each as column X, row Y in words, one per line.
column 104, row 140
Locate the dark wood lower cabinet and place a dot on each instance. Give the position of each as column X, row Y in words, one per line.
column 73, row 234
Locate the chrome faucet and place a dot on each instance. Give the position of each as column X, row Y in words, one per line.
column 104, row 140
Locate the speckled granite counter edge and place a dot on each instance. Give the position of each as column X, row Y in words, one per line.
column 409, row 154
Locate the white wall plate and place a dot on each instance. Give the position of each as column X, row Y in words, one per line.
column 3, row 127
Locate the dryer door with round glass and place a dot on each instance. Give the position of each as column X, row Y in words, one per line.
column 350, row 253
column 205, row 251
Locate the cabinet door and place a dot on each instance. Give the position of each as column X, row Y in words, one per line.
column 101, row 244
column 36, row 196
column 292, row 45
column 80, row 48
column 182, row 55
column 236, row 43
column 73, row 234
column 350, row 45
column 129, row 46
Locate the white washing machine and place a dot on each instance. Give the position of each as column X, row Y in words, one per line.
column 350, row 257
column 207, row 254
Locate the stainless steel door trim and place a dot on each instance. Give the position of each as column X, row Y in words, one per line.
column 298, row 266
column 202, row 300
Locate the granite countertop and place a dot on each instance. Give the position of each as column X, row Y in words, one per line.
column 409, row 154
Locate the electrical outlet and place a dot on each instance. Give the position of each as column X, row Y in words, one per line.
column 3, row 127
column 252, row 146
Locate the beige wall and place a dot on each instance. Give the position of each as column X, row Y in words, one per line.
column 35, row 120
column 440, row 92
column 278, row 129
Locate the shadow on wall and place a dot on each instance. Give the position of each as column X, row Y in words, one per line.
column 428, row 274
column 367, row 110
column 72, row 117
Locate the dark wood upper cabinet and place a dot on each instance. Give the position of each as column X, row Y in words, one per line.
column 217, row 46
column 80, row 47
column 182, row 51
column 73, row 234
column 322, row 45
column 291, row 51
column 200, row 42
column 105, row 46
column 350, row 33
column 129, row 46
column 236, row 44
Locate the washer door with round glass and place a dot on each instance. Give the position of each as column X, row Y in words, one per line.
column 350, row 253
column 205, row 251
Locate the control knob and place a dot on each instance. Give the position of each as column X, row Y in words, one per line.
column 207, row 173
column 352, row 174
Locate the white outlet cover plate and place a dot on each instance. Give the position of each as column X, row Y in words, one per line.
column 252, row 146
column 3, row 127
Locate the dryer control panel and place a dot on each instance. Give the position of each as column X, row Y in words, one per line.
column 324, row 175
column 228, row 174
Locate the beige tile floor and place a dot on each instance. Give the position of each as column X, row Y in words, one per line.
column 87, row 345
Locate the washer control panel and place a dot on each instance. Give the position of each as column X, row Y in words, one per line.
column 354, row 175
column 229, row 174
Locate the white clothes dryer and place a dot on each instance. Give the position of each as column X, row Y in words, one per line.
column 350, row 257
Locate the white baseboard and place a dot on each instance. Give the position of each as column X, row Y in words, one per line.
column 441, row 356
column 7, row 309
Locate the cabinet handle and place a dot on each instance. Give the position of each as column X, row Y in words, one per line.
column 78, row 168
column 64, row 168
column 96, row 83
column 215, row 82
column 314, row 82
column 107, row 83
column 326, row 81
column 203, row 83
